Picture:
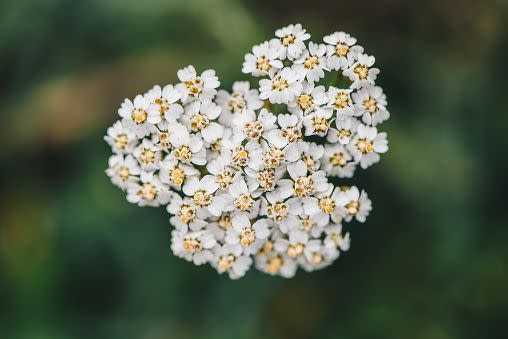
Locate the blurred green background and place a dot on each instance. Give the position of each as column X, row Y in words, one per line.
column 78, row 261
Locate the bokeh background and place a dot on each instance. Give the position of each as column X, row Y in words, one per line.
column 78, row 261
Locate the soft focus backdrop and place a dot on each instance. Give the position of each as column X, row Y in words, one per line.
column 78, row 261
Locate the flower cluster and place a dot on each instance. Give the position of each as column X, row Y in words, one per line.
column 251, row 177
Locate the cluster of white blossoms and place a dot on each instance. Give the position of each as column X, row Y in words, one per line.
column 250, row 176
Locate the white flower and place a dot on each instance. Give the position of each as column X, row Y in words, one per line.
column 135, row 116
column 242, row 99
column 309, row 99
column 173, row 173
column 367, row 144
column 202, row 191
column 341, row 50
column 123, row 171
column 185, row 214
column 316, row 256
column 289, row 137
column 294, row 245
column 254, row 127
column 282, row 88
column 323, row 207
column 354, row 204
column 239, row 155
column 291, row 41
column 311, row 63
column 121, row 138
column 370, row 103
column 318, row 122
column 195, row 86
column 340, row 101
column 263, row 60
column 277, row 264
column 338, row 162
column 284, row 212
column 193, row 246
column 148, row 155
column 163, row 104
column 229, row 258
column 238, row 198
column 346, row 129
column 361, row 73
column 198, row 118
column 335, row 239
column 250, row 237
column 187, row 148
column 302, row 185
column 265, row 179
column 149, row 192
column 243, row 184
column 312, row 153
column 222, row 171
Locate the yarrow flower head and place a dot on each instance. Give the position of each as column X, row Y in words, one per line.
column 252, row 177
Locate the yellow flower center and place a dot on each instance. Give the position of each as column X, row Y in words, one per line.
column 240, row 157
column 244, row 202
column 192, row 244
column 279, row 84
column 352, row 207
column 370, row 105
column 341, row 49
column 183, row 153
column 288, row 40
column 274, row 264
column 364, row 145
column 320, row 124
column 186, row 213
column 307, row 224
column 121, row 141
column 362, row 71
column 194, row 87
column 338, row 159
column 311, row 62
column 305, row 101
column 266, row 178
column 309, row 162
column 295, row 250
column 148, row 156
column 303, row 186
column 237, row 102
column 292, row 134
column 123, row 172
column 247, row 236
column 198, row 122
column 263, row 64
column 277, row 211
column 225, row 178
column 163, row 106
column 326, row 204
column 341, row 100
column 148, row 191
column 139, row 116
column 226, row 261
column 253, row 129
column 177, row 176
column 273, row 158
column 201, row 198
column 225, row 221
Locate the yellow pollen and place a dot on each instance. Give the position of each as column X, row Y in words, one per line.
column 362, row 71
column 279, row 84
column 370, row 105
column 121, row 141
column 341, row 49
